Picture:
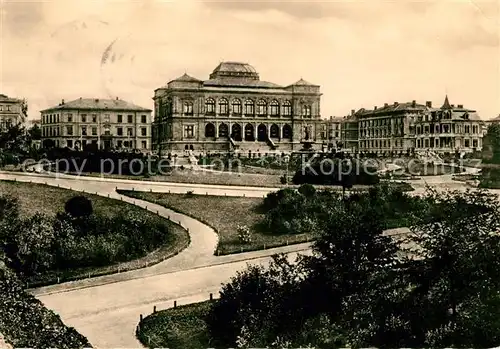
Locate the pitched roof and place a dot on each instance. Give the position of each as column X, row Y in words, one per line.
column 302, row 82
column 391, row 108
column 186, row 78
column 446, row 104
column 98, row 104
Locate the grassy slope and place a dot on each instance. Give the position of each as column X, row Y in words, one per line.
column 181, row 327
column 224, row 214
column 50, row 200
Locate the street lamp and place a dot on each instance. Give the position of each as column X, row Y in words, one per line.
column 286, row 158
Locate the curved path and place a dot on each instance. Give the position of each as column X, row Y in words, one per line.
column 108, row 314
column 105, row 309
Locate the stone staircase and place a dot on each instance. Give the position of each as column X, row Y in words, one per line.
column 271, row 144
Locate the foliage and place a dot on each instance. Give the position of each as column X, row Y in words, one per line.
column 335, row 171
column 244, row 234
column 256, row 307
column 40, row 244
column 362, row 288
column 26, row 323
column 180, row 327
column 491, row 144
column 78, row 206
column 307, row 190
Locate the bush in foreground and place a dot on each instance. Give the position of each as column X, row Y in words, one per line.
column 26, row 323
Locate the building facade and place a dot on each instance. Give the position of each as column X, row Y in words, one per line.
column 409, row 128
column 236, row 111
column 12, row 112
column 106, row 123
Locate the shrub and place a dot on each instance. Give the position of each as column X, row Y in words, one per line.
column 79, row 206
column 244, row 234
column 283, row 179
column 26, row 323
column 307, row 190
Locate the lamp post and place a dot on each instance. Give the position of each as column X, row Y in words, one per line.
column 286, row 159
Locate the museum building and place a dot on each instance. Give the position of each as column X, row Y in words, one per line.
column 236, row 111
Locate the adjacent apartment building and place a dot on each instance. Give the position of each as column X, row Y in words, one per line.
column 408, row 128
column 234, row 110
column 12, row 112
column 107, row 123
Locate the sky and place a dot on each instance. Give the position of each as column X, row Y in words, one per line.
column 361, row 53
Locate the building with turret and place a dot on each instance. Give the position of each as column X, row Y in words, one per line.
column 235, row 110
column 407, row 128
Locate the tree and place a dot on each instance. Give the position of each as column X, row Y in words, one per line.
column 457, row 271
column 78, row 206
column 35, row 133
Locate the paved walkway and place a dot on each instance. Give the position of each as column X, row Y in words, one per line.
column 106, row 309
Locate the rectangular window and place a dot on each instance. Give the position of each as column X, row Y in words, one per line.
column 130, row 119
column 467, row 143
column 69, row 130
column 106, row 130
column 106, row 118
column 143, row 119
column 84, row 130
column 119, row 131
column 143, row 131
column 94, row 131
column 119, row 144
column 94, row 117
column 130, row 132
column 474, row 143
column 70, row 117
column 84, row 117
column 69, row 143
column 120, row 118
column 1, row 107
column 8, row 108
column 144, row 145
column 189, row 131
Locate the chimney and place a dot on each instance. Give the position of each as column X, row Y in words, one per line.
column 117, row 98
column 453, row 105
column 331, row 118
column 97, row 100
column 428, row 104
column 62, row 101
column 80, row 97
column 413, row 103
column 386, row 105
column 396, row 104
column 375, row 108
column 461, row 106
column 353, row 111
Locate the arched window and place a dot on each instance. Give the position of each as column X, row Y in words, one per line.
column 249, row 136
column 287, row 131
column 223, row 106
column 287, row 108
column 187, row 108
column 210, row 106
column 274, row 131
column 306, row 111
column 249, row 108
column 262, row 133
column 236, row 106
column 275, row 108
column 261, row 107
column 209, row 130
column 236, row 132
column 223, row 130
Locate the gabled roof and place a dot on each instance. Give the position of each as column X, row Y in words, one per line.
column 98, row 104
column 186, row 78
column 302, row 82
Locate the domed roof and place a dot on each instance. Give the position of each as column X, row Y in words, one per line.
column 234, row 69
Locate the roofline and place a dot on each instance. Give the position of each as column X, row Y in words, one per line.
column 97, row 109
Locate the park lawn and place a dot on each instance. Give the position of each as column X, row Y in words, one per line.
column 181, row 327
column 49, row 200
column 224, row 214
